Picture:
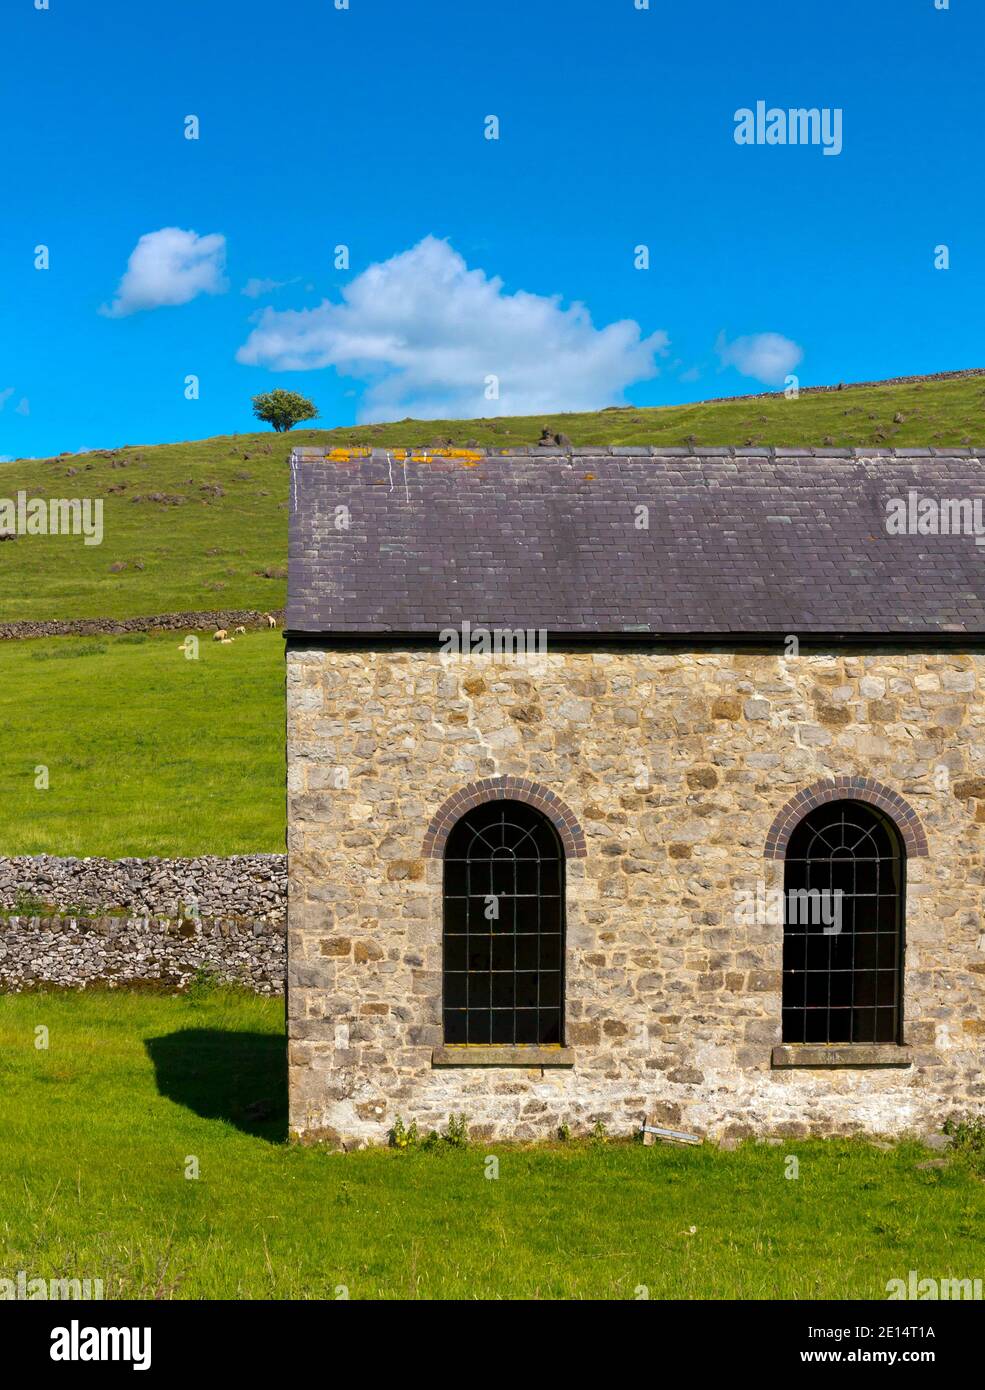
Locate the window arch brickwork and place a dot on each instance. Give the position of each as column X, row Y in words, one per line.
column 899, row 810
column 505, row 789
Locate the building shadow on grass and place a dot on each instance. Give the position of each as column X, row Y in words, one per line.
column 226, row 1075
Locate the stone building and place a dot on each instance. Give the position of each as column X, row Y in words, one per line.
column 635, row 783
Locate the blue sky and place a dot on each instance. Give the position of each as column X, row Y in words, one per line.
column 365, row 127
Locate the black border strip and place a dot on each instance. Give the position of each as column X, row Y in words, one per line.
column 969, row 642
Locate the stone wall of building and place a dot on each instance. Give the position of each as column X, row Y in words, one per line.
column 675, row 764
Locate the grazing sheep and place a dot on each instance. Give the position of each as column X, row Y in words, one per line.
column 220, row 635
column 228, row 641
column 242, row 631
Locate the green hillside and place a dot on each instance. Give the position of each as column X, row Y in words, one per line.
column 202, row 525
column 149, row 753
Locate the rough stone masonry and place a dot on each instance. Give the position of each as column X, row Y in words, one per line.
column 673, row 1006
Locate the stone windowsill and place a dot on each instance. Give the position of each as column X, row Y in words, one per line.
column 842, row 1055
column 491, row 1055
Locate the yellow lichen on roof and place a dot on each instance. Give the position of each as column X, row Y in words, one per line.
column 348, row 454
column 467, row 457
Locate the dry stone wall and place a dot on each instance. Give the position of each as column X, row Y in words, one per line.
column 76, row 952
column 69, row 923
column 161, row 622
column 675, row 764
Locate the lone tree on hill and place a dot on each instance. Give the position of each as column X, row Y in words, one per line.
column 282, row 409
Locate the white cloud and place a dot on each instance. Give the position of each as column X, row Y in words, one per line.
column 767, row 357
column 5, row 395
column 425, row 332
column 170, row 266
column 23, row 406
column 254, row 288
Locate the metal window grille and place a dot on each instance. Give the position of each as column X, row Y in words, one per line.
column 843, row 968
column 503, row 941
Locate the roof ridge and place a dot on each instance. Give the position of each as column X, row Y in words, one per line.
column 421, row 453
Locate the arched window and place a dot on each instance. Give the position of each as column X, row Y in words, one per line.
column 844, row 893
column 503, row 927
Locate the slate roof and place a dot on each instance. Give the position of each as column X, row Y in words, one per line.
column 740, row 541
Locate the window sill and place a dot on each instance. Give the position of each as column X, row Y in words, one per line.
column 490, row 1055
column 841, row 1055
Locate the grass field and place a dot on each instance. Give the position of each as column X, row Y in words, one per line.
column 98, row 1131
column 209, row 529
column 147, row 753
